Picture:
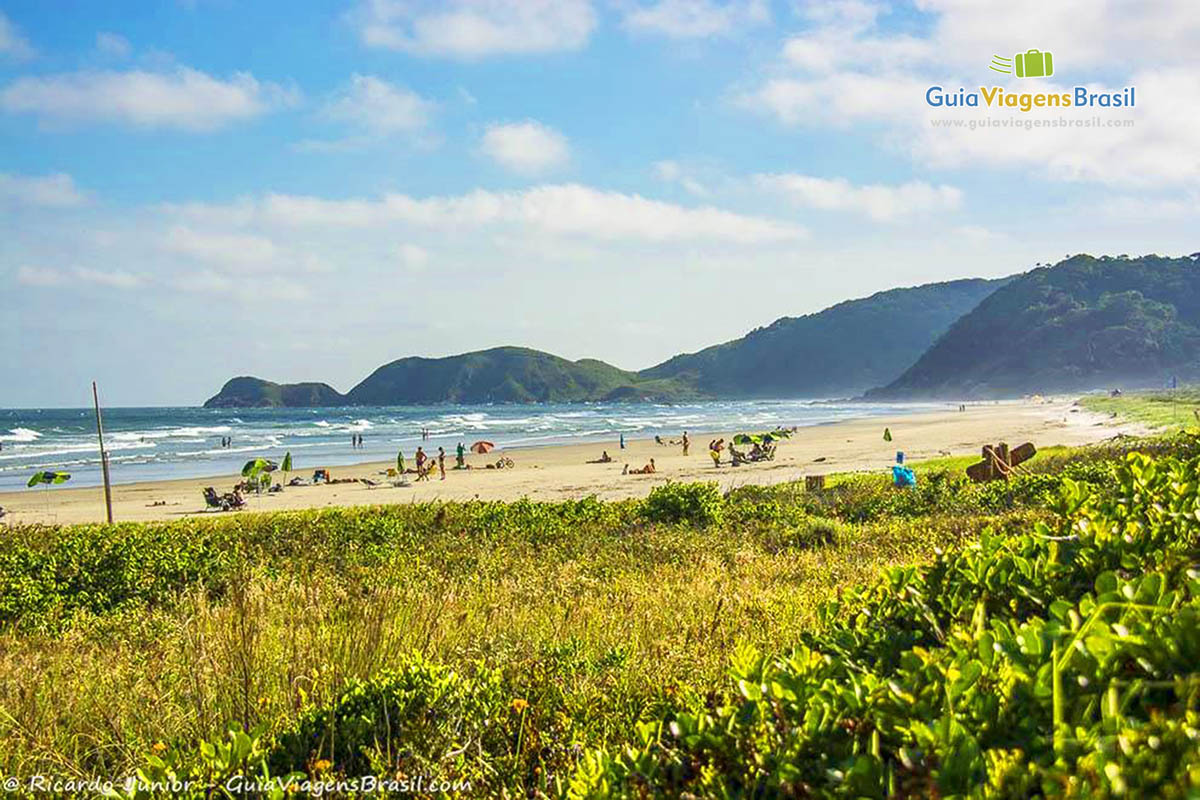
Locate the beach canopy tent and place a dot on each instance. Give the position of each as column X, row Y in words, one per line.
column 258, row 465
column 761, row 438
column 482, row 447
column 47, row 477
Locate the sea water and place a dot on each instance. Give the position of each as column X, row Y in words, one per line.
column 161, row 443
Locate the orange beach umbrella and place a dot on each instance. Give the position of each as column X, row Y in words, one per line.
column 482, row 447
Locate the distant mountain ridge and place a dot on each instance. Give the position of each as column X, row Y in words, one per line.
column 842, row 350
column 1081, row 324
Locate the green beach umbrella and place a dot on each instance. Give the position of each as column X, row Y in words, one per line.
column 47, row 477
column 257, row 465
column 287, row 462
column 400, row 461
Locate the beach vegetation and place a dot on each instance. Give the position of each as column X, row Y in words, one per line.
column 1034, row 637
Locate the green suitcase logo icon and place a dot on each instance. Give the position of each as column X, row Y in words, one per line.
column 1034, row 64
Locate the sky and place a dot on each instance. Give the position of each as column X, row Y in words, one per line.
column 196, row 189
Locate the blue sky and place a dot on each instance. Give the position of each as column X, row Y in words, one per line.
column 193, row 190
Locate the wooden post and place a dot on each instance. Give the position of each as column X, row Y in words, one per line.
column 103, row 455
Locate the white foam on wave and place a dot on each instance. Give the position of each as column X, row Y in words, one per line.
column 21, row 435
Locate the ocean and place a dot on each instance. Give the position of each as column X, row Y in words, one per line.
column 161, row 443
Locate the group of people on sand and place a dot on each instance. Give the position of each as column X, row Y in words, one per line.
column 685, row 441
column 356, row 441
column 426, row 463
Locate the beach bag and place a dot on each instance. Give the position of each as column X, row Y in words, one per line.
column 903, row 477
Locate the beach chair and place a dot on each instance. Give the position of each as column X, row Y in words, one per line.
column 213, row 500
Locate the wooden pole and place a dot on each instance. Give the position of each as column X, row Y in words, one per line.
column 103, row 455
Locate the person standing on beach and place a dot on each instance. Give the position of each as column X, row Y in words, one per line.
column 422, row 473
column 442, row 462
column 622, row 441
column 686, row 442
column 460, row 456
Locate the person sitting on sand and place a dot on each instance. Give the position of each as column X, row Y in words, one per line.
column 626, row 470
column 604, row 458
column 658, row 440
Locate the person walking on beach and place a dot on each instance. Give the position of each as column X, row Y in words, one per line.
column 442, row 462
column 460, row 455
column 686, row 442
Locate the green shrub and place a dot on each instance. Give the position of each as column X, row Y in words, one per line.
column 1064, row 661
column 698, row 504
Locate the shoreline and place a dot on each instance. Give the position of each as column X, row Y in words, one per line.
column 560, row 471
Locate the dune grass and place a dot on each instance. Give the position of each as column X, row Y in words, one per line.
column 1166, row 410
column 559, row 627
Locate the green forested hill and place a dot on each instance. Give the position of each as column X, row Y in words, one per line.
column 1084, row 323
column 842, row 350
column 504, row 375
column 247, row 392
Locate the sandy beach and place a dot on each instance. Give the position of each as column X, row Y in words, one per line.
column 561, row 472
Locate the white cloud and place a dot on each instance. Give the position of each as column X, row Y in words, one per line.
column 1093, row 33
column 40, row 277
column 568, row 210
column 379, row 108
column 184, row 99
column 472, row 29
column 220, row 248
column 672, row 172
column 694, row 19
column 846, row 71
column 527, row 147
column 116, row 279
column 412, row 257
column 52, row 278
column 113, row 45
column 50, row 191
column 877, row 201
column 12, row 44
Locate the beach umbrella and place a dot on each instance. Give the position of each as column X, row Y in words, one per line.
column 47, row 477
column 482, row 447
column 400, row 461
column 743, row 438
column 287, row 462
column 887, row 434
column 257, row 465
